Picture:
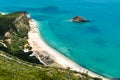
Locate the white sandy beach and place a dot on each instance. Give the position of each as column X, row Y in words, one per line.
column 37, row 43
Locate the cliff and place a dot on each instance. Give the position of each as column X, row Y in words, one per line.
column 14, row 24
column 14, row 29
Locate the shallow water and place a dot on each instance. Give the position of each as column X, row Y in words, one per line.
column 94, row 45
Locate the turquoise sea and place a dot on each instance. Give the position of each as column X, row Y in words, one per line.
column 94, row 45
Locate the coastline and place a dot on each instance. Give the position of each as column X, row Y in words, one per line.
column 38, row 44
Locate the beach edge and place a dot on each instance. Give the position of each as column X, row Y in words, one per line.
column 34, row 35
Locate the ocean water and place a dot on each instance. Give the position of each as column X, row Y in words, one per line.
column 94, row 45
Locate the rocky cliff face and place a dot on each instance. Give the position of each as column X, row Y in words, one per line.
column 14, row 23
column 21, row 21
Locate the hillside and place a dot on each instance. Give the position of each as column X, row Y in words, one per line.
column 12, row 68
column 14, row 29
column 14, row 23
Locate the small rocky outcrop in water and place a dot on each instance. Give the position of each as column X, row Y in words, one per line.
column 80, row 19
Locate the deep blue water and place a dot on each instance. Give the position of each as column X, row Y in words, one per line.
column 94, row 45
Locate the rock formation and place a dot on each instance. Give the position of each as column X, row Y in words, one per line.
column 79, row 19
column 16, row 23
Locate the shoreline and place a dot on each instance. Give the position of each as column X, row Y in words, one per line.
column 38, row 44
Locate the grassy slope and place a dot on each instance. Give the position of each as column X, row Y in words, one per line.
column 12, row 70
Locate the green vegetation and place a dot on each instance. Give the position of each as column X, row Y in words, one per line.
column 17, row 44
column 23, row 32
column 12, row 70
